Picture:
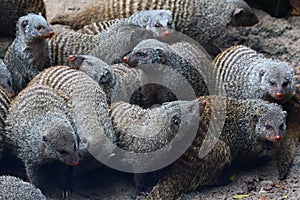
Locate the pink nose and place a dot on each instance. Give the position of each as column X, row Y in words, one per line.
column 279, row 94
column 277, row 138
column 167, row 33
column 71, row 57
column 75, row 163
column 204, row 103
column 51, row 33
column 125, row 59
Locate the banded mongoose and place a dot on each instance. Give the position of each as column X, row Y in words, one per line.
column 14, row 188
column 5, row 101
column 91, row 114
column 41, row 131
column 248, row 125
column 183, row 58
column 118, row 81
column 248, row 74
column 109, row 45
column 202, row 19
column 5, row 79
column 11, row 11
column 28, row 54
column 154, row 20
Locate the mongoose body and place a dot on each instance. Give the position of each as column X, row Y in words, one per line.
column 183, row 58
column 246, row 74
column 90, row 107
column 41, row 132
column 109, row 45
column 201, row 19
column 154, row 20
column 5, row 79
column 29, row 53
column 243, row 133
column 5, row 101
column 11, row 11
column 14, row 188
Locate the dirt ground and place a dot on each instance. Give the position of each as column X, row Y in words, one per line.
column 274, row 37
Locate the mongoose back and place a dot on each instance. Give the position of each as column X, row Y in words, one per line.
column 90, row 107
column 109, row 45
column 201, row 19
column 41, row 131
column 11, row 11
column 188, row 61
column 243, row 133
column 154, row 20
column 5, row 101
column 5, row 79
column 14, row 188
column 118, row 81
column 28, row 54
column 247, row 74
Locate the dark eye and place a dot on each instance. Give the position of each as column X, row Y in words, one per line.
column 141, row 54
column 175, row 122
column 9, row 83
column 157, row 25
column 63, row 152
column 272, row 83
column 169, row 24
column 105, row 77
column 39, row 27
column 268, row 127
column 281, row 127
column 285, row 84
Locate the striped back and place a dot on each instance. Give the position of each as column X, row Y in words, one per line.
column 97, row 27
column 5, row 101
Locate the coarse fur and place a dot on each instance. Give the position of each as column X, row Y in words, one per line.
column 91, row 114
column 29, row 53
column 5, row 79
column 109, row 45
column 202, row 20
column 40, row 130
column 248, row 74
column 12, row 10
column 5, row 101
column 243, row 135
column 155, row 20
column 14, row 188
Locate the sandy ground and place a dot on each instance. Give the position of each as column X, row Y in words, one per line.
column 272, row 36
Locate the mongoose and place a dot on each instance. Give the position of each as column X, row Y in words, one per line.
column 248, row 74
column 109, row 45
column 14, row 188
column 28, row 54
column 5, row 101
column 154, row 20
column 41, row 131
column 90, row 107
column 118, row 81
column 248, row 124
column 187, row 60
column 11, row 11
column 5, row 79
column 202, row 19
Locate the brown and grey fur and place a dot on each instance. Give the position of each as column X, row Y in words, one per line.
column 118, row 81
column 5, row 79
column 5, row 101
column 243, row 134
column 90, row 107
column 14, row 188
column 12, row 10
column 248, row 74
column 28, row 54
column 109, row 45
column 188, row 61
column 154, row 20
column 201, row 19
column 41, row 132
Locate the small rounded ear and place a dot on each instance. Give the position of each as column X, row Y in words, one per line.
column 45, row 140
column 262, row 72
column 285, row 113
column 162, row 55
column 24, row 23
column 237, row 12
column 255, row 117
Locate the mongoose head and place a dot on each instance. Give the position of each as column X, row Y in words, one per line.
column 33, row 28
column 271, row 123
column 92, row 66
column 145, row 56
column 161, row 21
column 277, row 79
column 5, row 79
column 242, row 14
column 61, row 143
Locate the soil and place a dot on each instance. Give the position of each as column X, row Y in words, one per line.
column 275, row 37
